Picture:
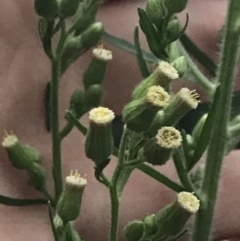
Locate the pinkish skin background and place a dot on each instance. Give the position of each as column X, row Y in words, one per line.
column 24, row 71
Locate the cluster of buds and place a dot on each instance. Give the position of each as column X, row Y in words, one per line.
column 26, row 158
column 167, row 223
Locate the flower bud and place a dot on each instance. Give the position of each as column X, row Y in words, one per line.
column 76, row 103
column 162, row 76
column 69, row 7
column 21, row 156
column 133, row 231
column 155, row 12
column 37, row 176
column 99, row 139
column 96, row 70
column 173, row 31
column 69, row 204
column 139, row 114
column 159, row 148
column 46, row 8
column 93, row 97
column 197, row 131
column 179, row 105
column 180, row 65
column 150, row 228
column 172, row 219
column 175, row 6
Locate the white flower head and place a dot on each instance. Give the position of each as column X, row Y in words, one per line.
column 9, row 140
column 190, row 97
column 167, row 70
column 169, row 137
column 188, row 202
column 101, row 115
column 157, row 96
column 75, row 180
column 102, row 54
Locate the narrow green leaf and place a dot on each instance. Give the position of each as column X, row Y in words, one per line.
column 193, row 49
column 47, row 39
column 76, row 123
column 206, row 133
column 129, row 47
column 50, row 214
column 42, row 27
column 8, row 201
column 48, row 107
column 141, row 62
column 153, row 39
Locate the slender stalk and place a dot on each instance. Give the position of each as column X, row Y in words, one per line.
column 114, row 194
column 56, row 140
column 8, row 201
column 218, row 140
column 66, row 130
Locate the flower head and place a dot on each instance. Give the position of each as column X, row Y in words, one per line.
column 190, row 97
column 75, row 179
column 9, row 140
column 167, row 70
column 188, row 202
column 102, row 54
column 101, row 115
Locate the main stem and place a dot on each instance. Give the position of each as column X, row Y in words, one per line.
column 218, row 141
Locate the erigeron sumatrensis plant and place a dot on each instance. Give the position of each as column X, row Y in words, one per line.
column 151, row 135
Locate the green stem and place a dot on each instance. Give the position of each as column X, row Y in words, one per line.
column 218, row 140
column 114, row 194
column 56, row 140
column 66, row 130
column 201, row 79
column 8, row 201
column 49, row 197
column 160, row 178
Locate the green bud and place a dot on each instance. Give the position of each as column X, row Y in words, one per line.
column 99, row 139
column 158, row 149
column 139, row 114
column 69, row 7
column 92, row 35
column 69, row 204
column 37, row 176
column 133, row 231
column 155, row 12
column 180, row 104
column 180, row 65
column 197, row 131
column 46, row 8
column 93, row 97
column 150, row 228
column 96, row 70
column 85, row 16
column 162, row 76
column 172, row 219
column 21, row 156
column 175, row 6
column 77, row 103
column 59, row 225
column 173, row 31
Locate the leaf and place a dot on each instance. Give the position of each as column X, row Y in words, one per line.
column 129, row 47
column 206, row 133
column 141, row 62
column 47, row 39
column 153, row 39
column 42, row 27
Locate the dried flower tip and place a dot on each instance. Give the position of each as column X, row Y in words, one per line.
column 188, row 202
column 101, row 115
column 191, row 97
column 157, row 96
column 102, row 54
column 9, row 140
column 166, row 69
column 169, row 137
column 75, row 179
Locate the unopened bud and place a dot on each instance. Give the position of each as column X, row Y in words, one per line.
column 197, row 131
column 175, row 6
column 172, row 219
column 159, row 148
column 46, row 8
column 21, row 156
column 69, row 7
column 76, row 103
column 93, row 97
column 139, row 114
column 173, row 31
column 155, row 12
column 69, row 204
column 96, row 70
column 99, row 139
column 180, row 65
column 162, row 76
column 133, row 231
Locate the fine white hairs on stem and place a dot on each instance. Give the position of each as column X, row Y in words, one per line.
column 190, row 97
column 188, row 202
column 167, row 70
column 102, row 54
column 9, row 140
column 157, row 96
column 75, row 179
column 168, row 137
column 101, row 115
